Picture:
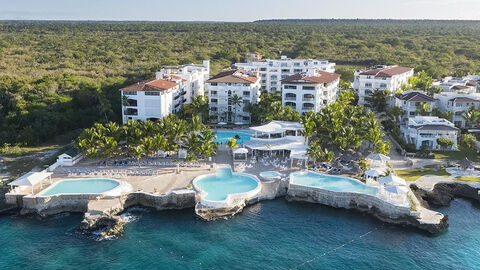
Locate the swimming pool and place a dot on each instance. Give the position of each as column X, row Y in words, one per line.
column 270, row 174
column 218, row 186
column 223, row 136
column 331, row 182
column 81, row 186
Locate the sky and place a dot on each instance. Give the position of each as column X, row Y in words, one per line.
column 236, row 10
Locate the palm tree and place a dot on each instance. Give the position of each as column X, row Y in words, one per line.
column 378, row 99
column 471, row 117
column 231, row 144
column 235, row 100
column 423, row 109
column 309, row 125
column 395, row 113
column 197, row 124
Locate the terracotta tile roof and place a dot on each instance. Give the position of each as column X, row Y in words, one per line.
column 151, row 85
column 472, row 83
column 302, row 78
column 234, row 76
column 386, row 72
column 463, row 99
column 416, row 97
column 460, row 87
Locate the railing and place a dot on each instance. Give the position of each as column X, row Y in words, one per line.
column 308, row 108
column 307, row 99
column 290, row 98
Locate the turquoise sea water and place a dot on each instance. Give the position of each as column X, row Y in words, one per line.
column 218, row 186
column 331, row 182
column 81, row 186
column 224, row 136
column 269, row 235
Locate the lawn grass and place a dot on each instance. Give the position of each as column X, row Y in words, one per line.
column 458, row 155
column 414, row 174
column 467, row 179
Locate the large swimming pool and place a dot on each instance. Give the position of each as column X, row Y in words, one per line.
column 331, row 182
column 218, row 186
column 81, row 186
column 242, row 135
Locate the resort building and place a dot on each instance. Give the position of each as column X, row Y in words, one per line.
column 153, row 99
column 465, row 85
column 458, row 104
column 193, row 76
column 253, row 56
column 410, row 101
column 426, row 130
column 310, row 91
column 229, row 93
column 272, row 72
column 379, row 78
column 172, row 87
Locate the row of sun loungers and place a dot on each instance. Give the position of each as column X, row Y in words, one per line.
column 113, row 173
column 153, row 163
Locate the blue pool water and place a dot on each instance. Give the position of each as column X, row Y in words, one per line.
column 331, row 182
column 269, row 235
column 224, row 136
column 81, row 186
column 270, row 174
column 224, row 182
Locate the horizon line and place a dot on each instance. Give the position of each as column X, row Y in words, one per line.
column 221, row 21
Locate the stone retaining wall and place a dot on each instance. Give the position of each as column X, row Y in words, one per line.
column 346, row 200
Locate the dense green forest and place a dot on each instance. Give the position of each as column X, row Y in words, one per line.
column 61, row 76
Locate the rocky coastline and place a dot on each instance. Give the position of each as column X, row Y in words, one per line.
column 103, row 212
column 442, row 192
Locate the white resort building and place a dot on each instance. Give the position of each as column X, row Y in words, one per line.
column 379, row 78
column 273, row 71
column 410, row 101
column 193, row 76
column 165, row 94
column 278, row 138
column 465, row 85
column 310, row 91
column 152, row 99
column 458, row 104
column 425, row 130
column 222, row 90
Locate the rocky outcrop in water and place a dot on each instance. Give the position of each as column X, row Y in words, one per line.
column 443, row 192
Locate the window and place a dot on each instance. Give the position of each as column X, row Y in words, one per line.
column 214, row 100
column 213, row 93
column 246, row 118
column 369, row 77
column 285, row 70
column 263, row 69
column 246, row 93
column 213, row 84
column 368, row 85
column 383, row 85
column 213, row 109
column 264, row 81
column 298, row 70
column 296, row 64
column 273, row 83
column 151, row 93
column 130, row 93
column 308, row 87
column 131, row 102
column 290, row 87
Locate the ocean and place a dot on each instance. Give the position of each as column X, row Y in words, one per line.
column 268, row 235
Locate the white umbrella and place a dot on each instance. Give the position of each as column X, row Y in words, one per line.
column 392, row 180
column 397, row 189
column 373, row 173
column 222, row 123
column 238, row 123
column 378, row 157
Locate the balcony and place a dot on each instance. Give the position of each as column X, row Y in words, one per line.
column 307, row 109
column 290, row 98
column 183, row 93
column 308, row 99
